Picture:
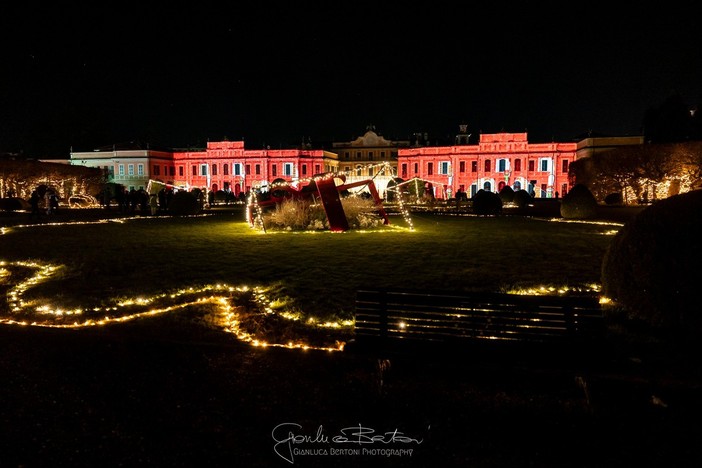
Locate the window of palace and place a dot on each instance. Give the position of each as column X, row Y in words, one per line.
column 430, row 168
column 517, row 165
column 157, row 170
column 130, row 169
column 564, row 167
column 501, row 165
column 180, row 171
column 370, row 155
column 444, row 167
column 462, row 168
column 288, row 169
column 258, row 169
column 545, row 165
column 274, row 170
column 237, row 169
column 194, row 170
column 225, row 168
column 214, row 169
column 488, row 166
column 203, row 169
column 120, row 169
column 474, row 166
column 140, row 169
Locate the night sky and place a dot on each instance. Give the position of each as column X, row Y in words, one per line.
column 275, row 74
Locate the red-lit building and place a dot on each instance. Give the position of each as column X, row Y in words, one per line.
column 226, row 165
column 223, row 165
column 497, row 160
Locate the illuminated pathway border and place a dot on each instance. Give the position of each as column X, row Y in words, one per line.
column 19, row 277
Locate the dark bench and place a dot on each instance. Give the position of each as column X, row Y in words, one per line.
column 396, row 320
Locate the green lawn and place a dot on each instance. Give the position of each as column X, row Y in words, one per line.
column 311, row 274
column 166, row 392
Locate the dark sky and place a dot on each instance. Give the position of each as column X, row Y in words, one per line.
column 274, row 73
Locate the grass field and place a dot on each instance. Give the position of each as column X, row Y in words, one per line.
column 171, row 389
column 313, row 275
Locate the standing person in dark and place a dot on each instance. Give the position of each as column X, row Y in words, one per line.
column 34, row 202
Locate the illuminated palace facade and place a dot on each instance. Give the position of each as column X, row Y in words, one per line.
column 497, row 160
column 223, row 165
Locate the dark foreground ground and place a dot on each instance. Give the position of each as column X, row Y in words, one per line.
column 160, row 394
column 164, row 393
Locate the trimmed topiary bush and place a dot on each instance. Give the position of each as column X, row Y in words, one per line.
column 522, row 198
column 579, row 203
column 486, row 203
column 184, row 203
column 14, row 204
column 650, row 269
column 507, row 194
column 614, row 199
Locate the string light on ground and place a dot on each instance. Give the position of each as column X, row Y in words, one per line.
column 226, row 299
